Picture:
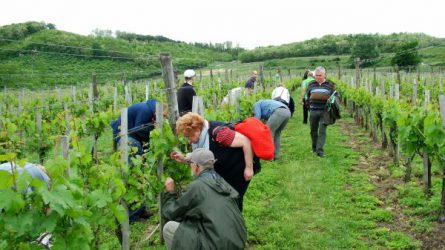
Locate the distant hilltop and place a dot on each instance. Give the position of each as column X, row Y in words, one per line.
column 37, row 53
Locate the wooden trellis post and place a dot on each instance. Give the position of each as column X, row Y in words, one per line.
column 59, row 94
column 66, row 140
column 262, row 77
column 442, row 114
column 147, row 91
column 160, row 167
column 125, row 225
column 414, row 98
column 338, row 71
column 127, row 95
column 115, row 99
column 198, row 105
column 95, row 90
column 39, row 131
column 91, row 98
column 214, row 100
column 357, row 73
column 74, row 94
column 426, row 159
column 382, row 87
column 170, row 87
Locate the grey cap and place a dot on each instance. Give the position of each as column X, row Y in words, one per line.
column 203, row 157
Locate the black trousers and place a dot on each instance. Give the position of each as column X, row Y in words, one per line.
column 305, row 111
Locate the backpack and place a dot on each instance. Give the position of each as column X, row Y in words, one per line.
column 257, row 132
column 278, row 98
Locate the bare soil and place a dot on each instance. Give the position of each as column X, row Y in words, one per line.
column 376, row 162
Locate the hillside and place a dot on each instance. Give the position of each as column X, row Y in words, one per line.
column 340, row 45
column 34, row 54
column 38, row 54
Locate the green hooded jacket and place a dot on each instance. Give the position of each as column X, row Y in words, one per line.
column 208, row 214
column 305, row 84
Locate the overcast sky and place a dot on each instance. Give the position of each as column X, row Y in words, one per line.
column 245, row 22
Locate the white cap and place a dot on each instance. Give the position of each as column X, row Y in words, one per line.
column 189, row 73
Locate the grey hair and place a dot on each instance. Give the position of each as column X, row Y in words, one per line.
column 320, row 69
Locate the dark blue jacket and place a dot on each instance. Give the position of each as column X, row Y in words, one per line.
column 250, row 84
column 141, row 118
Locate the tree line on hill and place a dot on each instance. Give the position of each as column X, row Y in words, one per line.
column 40, row 50
column 367, row 47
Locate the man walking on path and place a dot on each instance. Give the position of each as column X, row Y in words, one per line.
column 277, row 115
column 206, row 216
column 318, row 93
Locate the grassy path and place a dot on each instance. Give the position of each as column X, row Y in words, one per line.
column 302, row 201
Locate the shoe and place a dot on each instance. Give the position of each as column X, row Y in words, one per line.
column 146, row 215
column 314, row 150
column 320, row 154
column 141, row 216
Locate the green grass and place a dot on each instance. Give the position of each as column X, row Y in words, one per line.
column 306, row 202
column 433, row 56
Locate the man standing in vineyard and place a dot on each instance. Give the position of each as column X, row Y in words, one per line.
column 206, row 215
column 186, row 92
column 318, row 93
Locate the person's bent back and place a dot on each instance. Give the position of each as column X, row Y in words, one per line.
column 206, row 215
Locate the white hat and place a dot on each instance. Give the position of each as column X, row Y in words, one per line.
column 189, row 73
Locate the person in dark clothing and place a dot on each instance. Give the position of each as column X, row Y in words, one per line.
column 291, row 106
column 304, row 101
column 250, row 84
column 141, row 119
column 186, row 92
column 306, row 71
column 206, row 215
column 236, row 161
column 319, row 91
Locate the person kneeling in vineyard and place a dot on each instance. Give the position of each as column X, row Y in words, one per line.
column 35, row 171
column 206, row 215
column 141, row 119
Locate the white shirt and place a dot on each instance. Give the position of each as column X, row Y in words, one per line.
column 234, row 95
column 281, row 92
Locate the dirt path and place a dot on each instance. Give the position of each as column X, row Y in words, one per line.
column 376, row 163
